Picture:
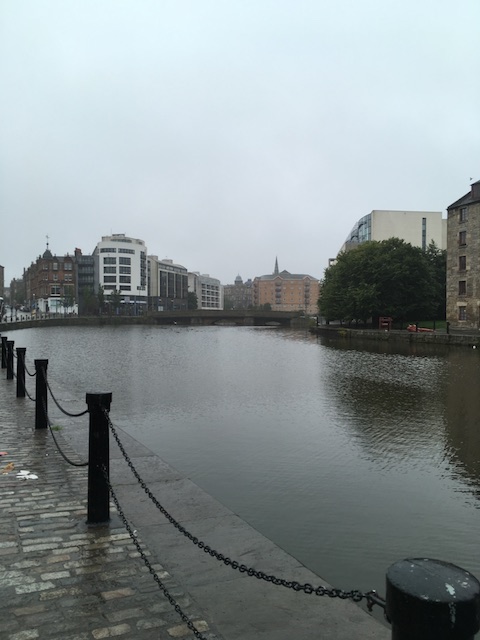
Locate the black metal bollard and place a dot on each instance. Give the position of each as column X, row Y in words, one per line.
column 98, row 509
column 432, row 600
column 41, row 412
column 4, row 352
column 10, row 344
column 21, row 371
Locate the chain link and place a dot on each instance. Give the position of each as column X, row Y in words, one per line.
column 355, row 595
column 64, row 456
column 152, row 571
column 64, row 411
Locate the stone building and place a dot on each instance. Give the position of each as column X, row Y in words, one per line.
column 463, row 260
column 238, row 295
column 285, row 291
column 50, row 283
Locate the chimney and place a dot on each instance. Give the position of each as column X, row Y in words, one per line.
column 476, row 190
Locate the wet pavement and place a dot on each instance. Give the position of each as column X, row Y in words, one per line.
column 62, row 579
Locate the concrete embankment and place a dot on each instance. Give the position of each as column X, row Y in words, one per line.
column 433, row 338
column 63, row 580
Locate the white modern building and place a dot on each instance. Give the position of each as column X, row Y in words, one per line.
column 209, row 291
column 167, row 284
column 418, row 228
column 120, row 264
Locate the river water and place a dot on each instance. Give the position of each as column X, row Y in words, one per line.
column 349, row 457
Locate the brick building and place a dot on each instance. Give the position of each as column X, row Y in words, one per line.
column 463, row 260
column 50, row 283
column 286, row 291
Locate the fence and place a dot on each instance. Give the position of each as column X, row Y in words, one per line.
column 425, row 598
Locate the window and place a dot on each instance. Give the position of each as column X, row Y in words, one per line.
column 125, row 287
column 109, row 269
column 55, row 277
column 463, row 215
column 462, row 263
column 462, row 288
column 68, row 266
column 109, row 278
column 110, row 261
column 125, row 279
column 462, row 313
column 68, row 277
column 55, row 290
column 462, row 238
column 55, row 266
column 126, row 251
column 108, row 250
column 125, row 269
column 125, row 260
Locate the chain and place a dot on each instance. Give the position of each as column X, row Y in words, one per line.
column 70, row 462
column 152, row 571
column 67, row 413
column 355, row 595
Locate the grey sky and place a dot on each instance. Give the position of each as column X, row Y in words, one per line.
column 225, row 133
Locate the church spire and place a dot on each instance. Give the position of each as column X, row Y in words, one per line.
column 275, row 272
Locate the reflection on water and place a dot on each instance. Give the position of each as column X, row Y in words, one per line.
column 349, row 458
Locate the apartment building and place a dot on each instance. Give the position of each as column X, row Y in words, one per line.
column 120, row 265
column 208, row 290
column 463, row 260
column 50, row 283
column 285, row 291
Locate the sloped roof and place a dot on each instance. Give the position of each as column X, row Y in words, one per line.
column 467, row 198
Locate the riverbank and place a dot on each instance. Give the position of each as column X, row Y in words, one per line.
column 456, row 338
column 63, row 580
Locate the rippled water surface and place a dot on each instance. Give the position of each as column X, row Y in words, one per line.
column 349, row 458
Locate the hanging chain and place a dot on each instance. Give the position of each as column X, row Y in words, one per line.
column 152, row 571
column 371, row 597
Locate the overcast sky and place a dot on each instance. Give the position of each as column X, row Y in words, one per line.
column 225, row 133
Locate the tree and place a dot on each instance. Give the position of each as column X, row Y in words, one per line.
column 192, row 300
column 438, row 263
column 88, row 302
column 388, row 278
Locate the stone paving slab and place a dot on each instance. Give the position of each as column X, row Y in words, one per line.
column 60, row 578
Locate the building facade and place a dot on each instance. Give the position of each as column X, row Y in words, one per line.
column 238, row 295
column 463, row 260
column 50, row 284
column 167, row 285
column 418, row 228
column 85, row 282
column 208, row 290
column 120, row 267
column 285, row 291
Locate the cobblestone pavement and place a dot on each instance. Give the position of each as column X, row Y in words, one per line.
column 59, row 578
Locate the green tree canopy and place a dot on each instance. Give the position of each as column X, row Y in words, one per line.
column 388, row 278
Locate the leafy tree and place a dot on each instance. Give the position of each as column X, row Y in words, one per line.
column 388, row 278
column 438, row 262
column 192, row 300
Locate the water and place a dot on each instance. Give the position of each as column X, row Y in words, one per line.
column 348, row 458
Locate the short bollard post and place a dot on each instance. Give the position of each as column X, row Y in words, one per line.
column 10, row 344
column 21, row 371
column 41, row 421
column 98, row 508
column 4, row 352
column 432, row 600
